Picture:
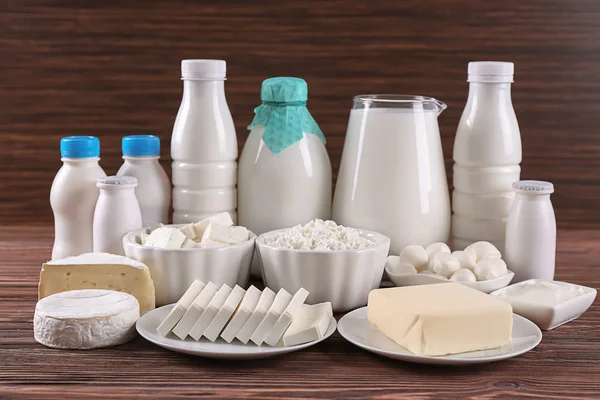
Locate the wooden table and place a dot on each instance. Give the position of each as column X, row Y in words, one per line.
column 565, row 365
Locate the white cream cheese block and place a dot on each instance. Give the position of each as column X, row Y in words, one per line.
column 282, row 300
column 85, row 319
column 193, row 313
column 224, row 314
column 98, row 271
column 264, row 304
column 225, row 234
column 210, row 312
column 310, row 323
column 286, row 318
column 181, row 307
column 166, row 238
column 440, row 319
column 242, row 314
column 196, row 230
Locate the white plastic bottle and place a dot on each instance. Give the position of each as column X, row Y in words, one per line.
column 153, row 192
column 74, row 194
column 531, row 232
column 117, row 213
column 204, row 145
column 487, row 154
column 284, row 173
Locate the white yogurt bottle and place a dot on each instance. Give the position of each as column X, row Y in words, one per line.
column 285, row 172
column 204, row 145
column 531, row 232
column 487, row 154
column 117, row 213
column 153, row 192
column 74, row 194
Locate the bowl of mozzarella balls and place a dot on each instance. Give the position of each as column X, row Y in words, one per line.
column 479, row 266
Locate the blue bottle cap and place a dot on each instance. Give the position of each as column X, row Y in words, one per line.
column 141, row 146
column 80, row 147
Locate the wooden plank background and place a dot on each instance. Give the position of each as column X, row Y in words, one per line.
column 111, row 68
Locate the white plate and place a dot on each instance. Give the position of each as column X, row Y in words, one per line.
column 355, row 328
column 147, row 324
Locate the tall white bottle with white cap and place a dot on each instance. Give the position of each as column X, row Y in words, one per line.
column 204, row 145
column 487, row 154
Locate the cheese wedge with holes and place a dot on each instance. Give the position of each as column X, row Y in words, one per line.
column 98, row 271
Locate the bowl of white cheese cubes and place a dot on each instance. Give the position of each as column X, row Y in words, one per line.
column 479, row 266
column 211, row 250
column 334, row 263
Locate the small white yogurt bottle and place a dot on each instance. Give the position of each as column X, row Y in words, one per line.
column 531, row 232
column 153, row 192
column 117, row 213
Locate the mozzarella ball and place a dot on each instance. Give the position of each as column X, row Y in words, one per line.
column 444, row 264
column 396, row 267
column 483, row 251
column 490, row 268
column 438, row 247
column 416, row 256
column 466, row 259
column 432, row 273
column 463, row 275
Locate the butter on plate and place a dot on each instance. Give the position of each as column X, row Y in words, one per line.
column 440, row 319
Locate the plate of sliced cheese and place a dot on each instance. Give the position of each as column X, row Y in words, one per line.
column 446, row 324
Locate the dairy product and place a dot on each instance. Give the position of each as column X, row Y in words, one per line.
column 440, row 319
column 223, row 316
column 195, row 310
column 392, row 177
column 203, row 145
column 281, row 301
column 264, row 304
column 74, row 194
column 437, row 247
column 180, row 307
column 309, row 323
column 98, row 271
column 242, row 314
column 196, row 229
column 85, row 319
column 490, row 268
column 319, row 235
column 416, row 256
column 542, row 293
column 463, row 275
column 444, row 264
column 467, row 260
column 210, row 312
column 394, row 266
column 225, row 234
column 286, row 318
column 166, row 238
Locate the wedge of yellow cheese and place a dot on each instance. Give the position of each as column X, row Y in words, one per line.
column 440, row 319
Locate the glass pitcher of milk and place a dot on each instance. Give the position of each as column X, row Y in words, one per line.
column 392, row 177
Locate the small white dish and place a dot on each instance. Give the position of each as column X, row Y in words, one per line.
column 549, row 316
column 424, row 279
column 342, row 277
column 147, row 324
column 356, row 328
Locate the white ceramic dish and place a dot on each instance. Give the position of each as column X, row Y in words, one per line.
column 174, row 270
column 423, row 279
column 549, row 316
column 343, row 277
column 356, row 328
column 147, row 324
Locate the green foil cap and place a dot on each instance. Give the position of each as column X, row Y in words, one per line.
column 283, row 113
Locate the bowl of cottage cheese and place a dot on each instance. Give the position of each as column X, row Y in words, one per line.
column 334, row 263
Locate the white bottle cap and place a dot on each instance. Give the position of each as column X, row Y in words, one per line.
column 203, row 69
column 533, row 187
column 117, row 182
column 491, row 71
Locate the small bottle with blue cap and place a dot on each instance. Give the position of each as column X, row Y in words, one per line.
column 284, row 176
column 74, row 194
column 141, row 155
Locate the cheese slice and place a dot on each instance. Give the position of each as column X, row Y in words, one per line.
column 310, row 323
column 210, row 312
column 196, row 230
column 224, row 314
column 285, row 319
column 98, row 271
column 166, row 238
column 195, row 310
column 264, row 304
column 225, row 234
column 282, row 300
column 439, row 319
column 242, row 314
column 85, row 319
column 180, row 307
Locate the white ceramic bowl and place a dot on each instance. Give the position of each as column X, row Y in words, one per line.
column 174, row 270
column 343, row 277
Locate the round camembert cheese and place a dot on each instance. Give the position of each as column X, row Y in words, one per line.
column 85, row 319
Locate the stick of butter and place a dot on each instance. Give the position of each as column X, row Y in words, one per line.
column 440, row 319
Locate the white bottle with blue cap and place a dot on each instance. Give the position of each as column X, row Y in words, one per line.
column 74, row 194
column 141, row 154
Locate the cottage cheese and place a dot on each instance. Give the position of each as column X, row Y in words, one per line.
column 319, row 235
